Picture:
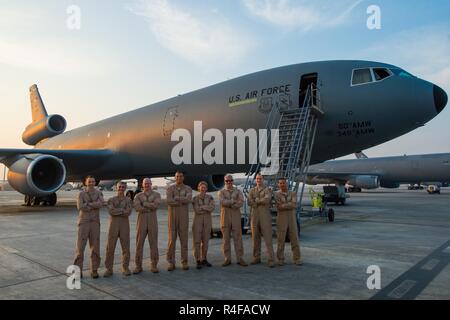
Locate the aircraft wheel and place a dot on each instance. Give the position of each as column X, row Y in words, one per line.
column 244, row 229
column 27, row 201
column 52, row 199
column 35, row 201
column 130, row 194
column 331, row 215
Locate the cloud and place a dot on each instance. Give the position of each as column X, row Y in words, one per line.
column 31, row 41
column 304, row 15
column 18, row 18
column 424, row 51
column 201, row 40
column 56, row 57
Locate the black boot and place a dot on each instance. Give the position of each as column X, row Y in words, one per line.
column 206, row 263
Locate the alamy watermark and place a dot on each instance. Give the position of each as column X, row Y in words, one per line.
column 374, row 19
column 374, row 280
column 73, row 21
column 73, row 281
column 221, row 149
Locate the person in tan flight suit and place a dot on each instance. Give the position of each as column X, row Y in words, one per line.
column 259, row 199
column 231, row 201
column 179, row 196
column 89, row 202
column 119, row 208
column 286, row 202
column 203, row 205
column 146, row 203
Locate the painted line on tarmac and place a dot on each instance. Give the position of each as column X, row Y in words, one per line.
column 58, row 274
column 410, row 284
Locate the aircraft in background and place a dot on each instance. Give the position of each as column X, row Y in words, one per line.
column 385, row 172
column 364, row 103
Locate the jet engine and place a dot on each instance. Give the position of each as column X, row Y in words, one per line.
column 45, row 128
column 364, row 182
column 215, row 182
column 37, row 175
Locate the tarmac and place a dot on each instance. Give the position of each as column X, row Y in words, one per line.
column 404, row 233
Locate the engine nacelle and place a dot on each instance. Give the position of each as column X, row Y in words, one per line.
column 45, row 128
column 389, row 184
column 364, row 182
column 215, row 182
column 37, row 175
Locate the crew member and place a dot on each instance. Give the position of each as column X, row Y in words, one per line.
column 146, row 203
column 203, row 204
column 259, row 199
column 89, row 202
column 286, row 202
column 231, row 201
column 179, row 196
column 119, row 208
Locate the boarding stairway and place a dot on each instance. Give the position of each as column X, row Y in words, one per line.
column 296, row 134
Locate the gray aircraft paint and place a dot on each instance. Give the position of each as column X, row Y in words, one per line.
column 137, row 143
column 402, row 169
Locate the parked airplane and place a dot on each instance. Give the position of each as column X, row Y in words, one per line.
column 385, row 172
column 365, row 104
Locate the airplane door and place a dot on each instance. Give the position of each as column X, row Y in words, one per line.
column 169, row 121
column 305, row 83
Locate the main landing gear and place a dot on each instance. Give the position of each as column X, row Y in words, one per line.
column 47, row 201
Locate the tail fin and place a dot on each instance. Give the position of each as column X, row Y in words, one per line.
column 43, row 126
column 361, row 155
column 38, row 111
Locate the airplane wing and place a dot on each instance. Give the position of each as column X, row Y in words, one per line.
column 91, row 157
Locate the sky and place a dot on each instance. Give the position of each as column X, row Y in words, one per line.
column 96, row 59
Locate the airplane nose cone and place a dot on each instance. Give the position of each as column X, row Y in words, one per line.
column 440, row 98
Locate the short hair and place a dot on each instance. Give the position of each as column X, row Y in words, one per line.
column 178, row 172
column 147, row 179
column 202, row 183
column 121, row 183
column 282, row 179
column 86, row 179
column 228, row 177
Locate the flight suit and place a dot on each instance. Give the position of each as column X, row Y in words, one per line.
column 259, row 200
column 89, row 204
column 231, row 202
column 178, row 200
column 202, row 224
column 287, row 222
column 146, row 204
column 119, row 228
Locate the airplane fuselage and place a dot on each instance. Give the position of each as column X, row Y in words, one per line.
column 356, row 118
column 401, row 169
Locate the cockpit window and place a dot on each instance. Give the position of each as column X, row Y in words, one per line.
column 361, row 76
column 401, row 73
column 381, row 73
